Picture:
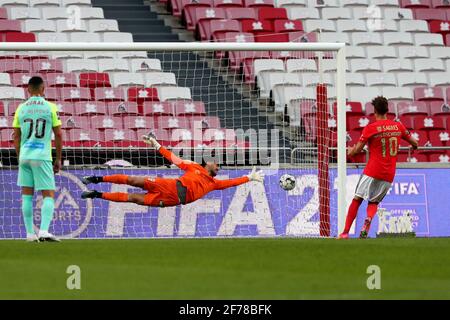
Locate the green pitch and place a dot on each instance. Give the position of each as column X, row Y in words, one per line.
column 226, row 269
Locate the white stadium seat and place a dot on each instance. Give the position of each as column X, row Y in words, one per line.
column 414, row 26
column 14, row 3
column 66, row 3
column 99, row 55
column 127, row 79
column 45, row 3
column 384, row 3
column 117, row 37
column 81, row 65
column 55, row 13
column 84, row 37
column 39, row 26
column 103, row 25
column 366, row 38
column 174, row 93
column 398, row 14
column 20, row 13
column 381, row 79
column 91, row 13
column 429, row 65
column 398, row 93
column 312, row 79
column 336, row 13
column 5, row 79
column 397, row 65
column 276, row 79
column 330, row 65
column 52, row 37
column 351, row 25
column 355, row 79
column 153, row 79
column 131, row 54
column 113, row 65
column 365, row 65
column 363, row 95
column 440, row 52
column 319, row 26
column 288, row 3
column 283, row 96
column 439, row 78
column 334, row 37
column 429, row 39
column 398, row 38
column 381, row 52
column 145, row 65
column 405, row 79
column 12, row 93
column 355, row 3
column 67, row 25
column 412, row 52
column 354, row 52
column 301, row 65
column 302, row 13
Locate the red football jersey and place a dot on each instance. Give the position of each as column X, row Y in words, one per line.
column 383, row 139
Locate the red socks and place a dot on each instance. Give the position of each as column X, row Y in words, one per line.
column 115, row 196
column 351, row 215
column 116, row 178
column 372, row 210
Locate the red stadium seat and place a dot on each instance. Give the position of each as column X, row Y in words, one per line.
column 12, row 107
column 215, row 29
column 239, row 58
column 437, row 4
column 408, row 121
column 439, row 137
column 440, row 157
column 6, row 138
column 272, row 14
column 62, row 80
column 447, row 11
column 414, row 158
column 352, row 137
column 186, row 137
column 94, row 80
column 15, row 65
column 189, row 108
column 82, row 138
column 6, row 123
column 271, row 37
column 241, row 13
column 158, row 109
column 415, row 107
column 3, row 13
column 20, row 79
column 75, row 94
column 218, row 137
column 51, row 94
column 286, row 25
column 109, row 94
column 255, row 26
column 195, row 15
column 122, row 108
column 430, row 14
column 66, row 108
column 414, row 4
column 75, row 122
column 138, row 122
column 47, row 66
column 352, row 108
column 428, row 94
column 176, row 6
column 139, row 95
column 437, row 26
column 428, row 123
column 228, row 3
column 258, row 3
column 90, row 108
column 106, row 122
column 2, row 109
column 19, row 37
column 439, row 108
column 357, row 122
column 166, row 122
column 286, row 55
column 205, row 122
column 10, row 26
column 162, row 135
column 119, row 138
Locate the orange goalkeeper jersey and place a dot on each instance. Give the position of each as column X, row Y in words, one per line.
column 197, row 180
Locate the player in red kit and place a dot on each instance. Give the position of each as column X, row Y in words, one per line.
column 382, row 137
column 197, row 181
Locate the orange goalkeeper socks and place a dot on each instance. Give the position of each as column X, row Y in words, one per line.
column 115, row 196
column 116, row 178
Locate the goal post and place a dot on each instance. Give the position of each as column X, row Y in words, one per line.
column 208, row 102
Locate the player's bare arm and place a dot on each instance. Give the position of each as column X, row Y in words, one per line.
column 356, row 149
column 413, row 142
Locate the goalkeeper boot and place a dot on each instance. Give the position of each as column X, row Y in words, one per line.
column 91, row 179
column 343, row 236
column 365, row 229
column 31, row 237
column 91, row 194
column 46, row 236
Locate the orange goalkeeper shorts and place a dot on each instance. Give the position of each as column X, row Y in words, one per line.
column 161, row 192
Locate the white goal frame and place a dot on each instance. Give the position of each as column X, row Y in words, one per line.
column 339, row 48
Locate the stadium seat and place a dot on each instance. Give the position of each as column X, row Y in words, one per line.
column 6, row 137
column 47, row 66
column 66, row 3
column 15, row 66
column 414, row 52
column 255, row 26
column 428, row 94
column 428, row 123
column 205, row 122
column 177, row 6
column 189, row 108
column 302, row 13
column 75, row 94
column 174, row 93
column 106, row 122
column 430, row 14
column 166, row 122
column 103, row 25
column 258, row 4
column 75, row 122
column 109, row 94
column 46, row 3
column 381, row 79
column 286, row 25
column 439, row 137
column 36, row 25
column 5, row 80
column 153, row 79
column 439, row 108
column 365, row 65
column 336, row 13
column 440, row 157
column 355, row 79
column 81, row 65
column 397, row 65
column 122, row 108
column 367, row 39
column 440, row 4
column 440, row 53
column 415, row 158
column 117, row 37
column 119, row 138
column 397, row 38
column 161, row 134
column 194, row 15
column 272, row 14
column 412, row 108
column 228, row 3
column 158, row 109
column 241, row 13
column 20, row 79
column 145, row 65
column 61, row 80
column 138, row 122
column 414, row 26
column 128, row 79
column 357, row 122
column 66, row 108
column 82, row 138
column 216, row 29
column 94, row 80
column 140, row 95
column 90, row 108
column 414, row 4
column 113, row 65
column 405, row 79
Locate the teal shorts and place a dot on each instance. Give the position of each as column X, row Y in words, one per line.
column 37, row 174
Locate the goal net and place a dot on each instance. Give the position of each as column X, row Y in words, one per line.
column 277, row 106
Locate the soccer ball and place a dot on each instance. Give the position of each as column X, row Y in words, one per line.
column 287, row 182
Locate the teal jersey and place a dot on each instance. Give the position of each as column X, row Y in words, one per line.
column 36, row 118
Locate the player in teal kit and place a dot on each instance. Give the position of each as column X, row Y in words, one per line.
column 34, row 122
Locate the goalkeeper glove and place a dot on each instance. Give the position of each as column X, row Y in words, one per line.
column 150, row 139
column 256, row 175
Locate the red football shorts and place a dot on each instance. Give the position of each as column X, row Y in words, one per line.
column 161, row 192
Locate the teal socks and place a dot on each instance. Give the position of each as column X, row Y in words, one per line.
column 27, row 212
column 48, row 207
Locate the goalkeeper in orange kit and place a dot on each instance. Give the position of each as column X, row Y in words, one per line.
column 197, row 181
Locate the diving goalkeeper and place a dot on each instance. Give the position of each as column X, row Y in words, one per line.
column 197, row 181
